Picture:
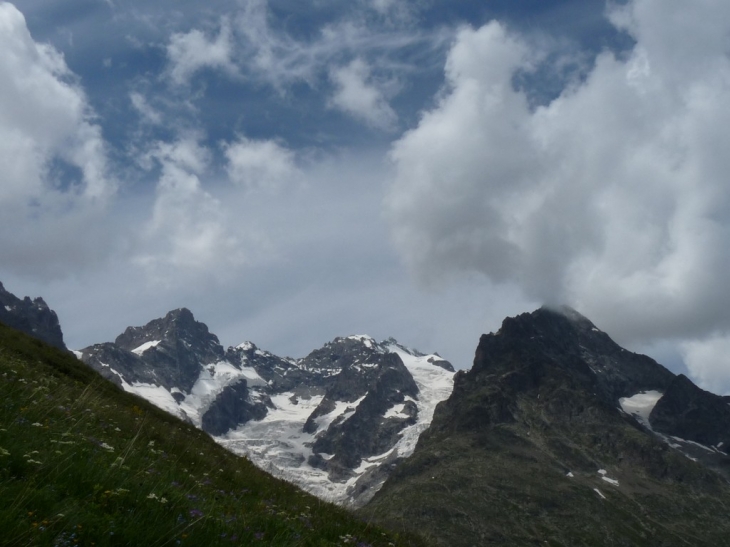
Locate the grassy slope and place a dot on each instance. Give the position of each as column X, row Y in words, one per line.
column 83, row 463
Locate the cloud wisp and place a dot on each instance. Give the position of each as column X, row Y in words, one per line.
column 357, row 95
column 613, row 197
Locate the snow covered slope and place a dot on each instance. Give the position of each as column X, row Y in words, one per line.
column 329, row 459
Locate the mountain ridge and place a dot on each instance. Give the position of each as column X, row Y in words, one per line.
column 334, row 421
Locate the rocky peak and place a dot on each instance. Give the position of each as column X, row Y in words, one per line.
column 169, row 351
column 32, row 317
column 177, row 327
column 570, row 340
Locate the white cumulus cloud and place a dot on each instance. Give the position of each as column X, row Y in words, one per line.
column 613, row 197
column 189, row 231
column 192, row 51
column 260, row 164
column 708, row 361
column 358, row 95
column 54, row 173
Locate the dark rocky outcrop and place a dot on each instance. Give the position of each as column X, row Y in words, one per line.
column 32, row 317
column 691, row 413
column 231, row 408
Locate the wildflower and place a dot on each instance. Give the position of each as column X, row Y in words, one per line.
column 151, row 444
column 107, row 447
column 36, row 424
column 35, row 461
column 117, row 429
column 196, row 513
column 163, row 500
column 4, row 452
column 152, row 496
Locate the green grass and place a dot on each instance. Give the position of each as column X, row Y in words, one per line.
column 83, row 463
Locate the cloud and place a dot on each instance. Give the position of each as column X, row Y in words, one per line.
column 55, row 181
column 280, row 59
column 613, row 197
column 146, row 111
column 188, row 233
column 357, row 95
column 192, row 51
column 260, row 164
column 708, row 361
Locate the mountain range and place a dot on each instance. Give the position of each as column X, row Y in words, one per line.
column 334, row 422
column 555, row 436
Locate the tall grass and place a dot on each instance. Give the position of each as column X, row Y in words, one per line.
column 83, row 463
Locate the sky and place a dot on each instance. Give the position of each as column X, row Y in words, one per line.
column 292, row 171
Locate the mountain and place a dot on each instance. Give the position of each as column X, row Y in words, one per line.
column 558, row 436
column 335, row 422
column 32, row 317
column 84, row 463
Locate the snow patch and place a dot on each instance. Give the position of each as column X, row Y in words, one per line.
column 610, row 481
column 640, row 405
column 343, row 410
column 144, row 347
column 597, row 491
column 395, row 412
column 79, row 356
column 157, row 395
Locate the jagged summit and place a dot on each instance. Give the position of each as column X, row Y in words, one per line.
column 167, row 352
column 569, row 339
column 32, row 317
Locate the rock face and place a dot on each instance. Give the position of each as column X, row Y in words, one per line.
column 559, row 436
column 32, row 317
column 334, row 422
column 693, row 414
